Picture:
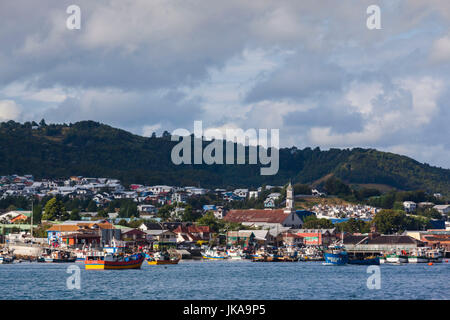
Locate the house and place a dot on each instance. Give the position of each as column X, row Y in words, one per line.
column 442, row 208
column 147, row 209
column 73, row 232
column 134, row 236
column 409, row 206
column 253, row 194
column 269, row 203
column 180, row 197
column 317, row 237
column 160, row 239
column 15, row 216
column 199, row 234
column 241, row 193
column 243, row 238
column 376, row 243
column 291, row 239
column 266, row 218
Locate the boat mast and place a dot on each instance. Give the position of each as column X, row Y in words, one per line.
column 31, row 227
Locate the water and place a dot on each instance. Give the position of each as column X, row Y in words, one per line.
column 209, row 280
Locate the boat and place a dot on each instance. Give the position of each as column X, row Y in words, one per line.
column 336, row 255
column 114, row 262
column 365, row 261
column 6, row 259
column 268, row 257
column 161, row 259
column 417, row 256
column 435, row 255
column 397, row 257
column 213, row 254
column 57, row 256
column 235, row 254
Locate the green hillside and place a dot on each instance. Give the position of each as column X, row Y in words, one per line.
column 92, row 149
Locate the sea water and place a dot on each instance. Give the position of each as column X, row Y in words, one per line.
column 209, row 280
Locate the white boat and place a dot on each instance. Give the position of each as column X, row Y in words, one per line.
column 5, row 260
column 235, row 254
column 417, row 256
column 213, row 254
column 435, row 255
column 396, row 258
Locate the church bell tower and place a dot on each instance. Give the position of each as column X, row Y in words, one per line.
column 289, row 199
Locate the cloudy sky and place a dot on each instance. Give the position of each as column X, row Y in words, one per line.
column 310, row 68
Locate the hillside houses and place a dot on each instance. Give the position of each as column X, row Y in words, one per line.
column 344, row 211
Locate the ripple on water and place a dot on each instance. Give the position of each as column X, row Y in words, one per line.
column 227, row 280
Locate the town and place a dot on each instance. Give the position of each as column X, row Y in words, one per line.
column 54, row 220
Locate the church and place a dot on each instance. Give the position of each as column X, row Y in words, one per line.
column 270, row 218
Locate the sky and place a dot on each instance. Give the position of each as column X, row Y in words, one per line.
column 312, row 69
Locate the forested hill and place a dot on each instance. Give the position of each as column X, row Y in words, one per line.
column 89, row 148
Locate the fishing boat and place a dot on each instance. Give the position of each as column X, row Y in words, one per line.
column 4, row 259
column 397, row 257
column 365, row 261
column 435, row 255
column 213, row 254
column 336, row 255
column 235, row 254
column 161, row 259
column 114, row 262
column 417, row 256
column 57, row 256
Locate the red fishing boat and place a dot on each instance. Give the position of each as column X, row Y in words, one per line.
column 112, row 262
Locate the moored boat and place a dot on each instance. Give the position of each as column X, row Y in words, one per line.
column 365, row 261
column 235, row 254
column 396, row 258
column 435, row 255
column 5, row 259
column 114, row 262
column 161, row 259
column 213, row 254
column 417, row 256
column 57, row 257
column 336, row 255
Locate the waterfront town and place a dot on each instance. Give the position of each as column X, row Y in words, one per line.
column 67, row 220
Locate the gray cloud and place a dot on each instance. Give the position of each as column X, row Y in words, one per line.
column 162, row 64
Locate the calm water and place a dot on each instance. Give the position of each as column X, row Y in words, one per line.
column 226, row 280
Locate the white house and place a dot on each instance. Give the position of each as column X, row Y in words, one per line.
column 410, row 206
column 442, row 208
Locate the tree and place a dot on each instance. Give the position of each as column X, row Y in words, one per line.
column 54, row 210
column 390, row 221
column 102, row 213
column 211, row 221
column 75, row 215
column 37, row 213
column 92, row 206
column 311, row 222
column 354, row 226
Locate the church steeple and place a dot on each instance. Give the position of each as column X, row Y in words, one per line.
column 289, row 199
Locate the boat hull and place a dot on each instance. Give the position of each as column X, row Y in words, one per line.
column 414, row 259
column 113, row 265
column 371, row 261
column 397, row 259
column 336, row 258
column 162, row 262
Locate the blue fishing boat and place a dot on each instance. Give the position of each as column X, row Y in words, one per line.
column 336, row 255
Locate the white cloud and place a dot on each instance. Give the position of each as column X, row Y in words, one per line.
column 9, row 110
column 440, row 51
